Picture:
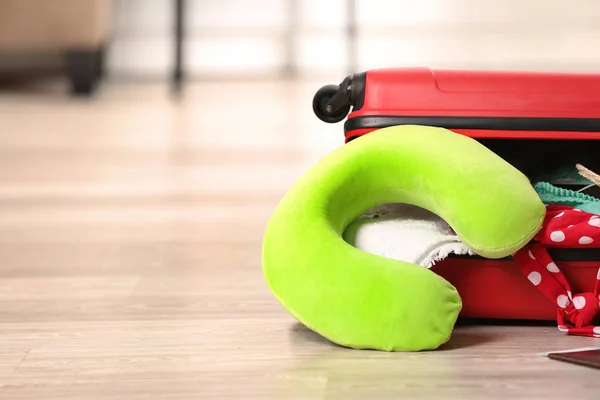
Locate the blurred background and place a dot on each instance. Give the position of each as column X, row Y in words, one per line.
column 146, row 116
column 144, row 145
column 272, row 39
column 153, row 121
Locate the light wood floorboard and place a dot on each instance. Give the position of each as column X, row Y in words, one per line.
column 130, row 233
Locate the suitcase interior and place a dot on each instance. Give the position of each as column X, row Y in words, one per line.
column 497, row 289
column 535, row 158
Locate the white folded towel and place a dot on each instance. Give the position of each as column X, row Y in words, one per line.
column 407, row 233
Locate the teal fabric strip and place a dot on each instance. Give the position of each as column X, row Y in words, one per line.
column 551, row 194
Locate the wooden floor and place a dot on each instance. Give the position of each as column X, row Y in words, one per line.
column 130, row 233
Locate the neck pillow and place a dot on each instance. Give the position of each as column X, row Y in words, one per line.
column 361, row 300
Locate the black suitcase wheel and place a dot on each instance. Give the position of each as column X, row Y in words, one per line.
column 326, row 111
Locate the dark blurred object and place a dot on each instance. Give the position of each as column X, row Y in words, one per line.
column 78, row 29
column 540, row 158
column 584, row 357
column 178, row 69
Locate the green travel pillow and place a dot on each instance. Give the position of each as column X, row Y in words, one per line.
column 364, row 301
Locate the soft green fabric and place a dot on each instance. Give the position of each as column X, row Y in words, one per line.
column 361, row 300
column 551, row 194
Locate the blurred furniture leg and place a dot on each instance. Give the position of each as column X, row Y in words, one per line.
column 178, row 65
column 351, row 36
column 78, row 29
column 84, row 69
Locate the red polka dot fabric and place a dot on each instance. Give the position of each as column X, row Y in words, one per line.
column 564, row 227
column 569, row 227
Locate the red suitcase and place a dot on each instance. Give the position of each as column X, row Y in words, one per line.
column 534, row 120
